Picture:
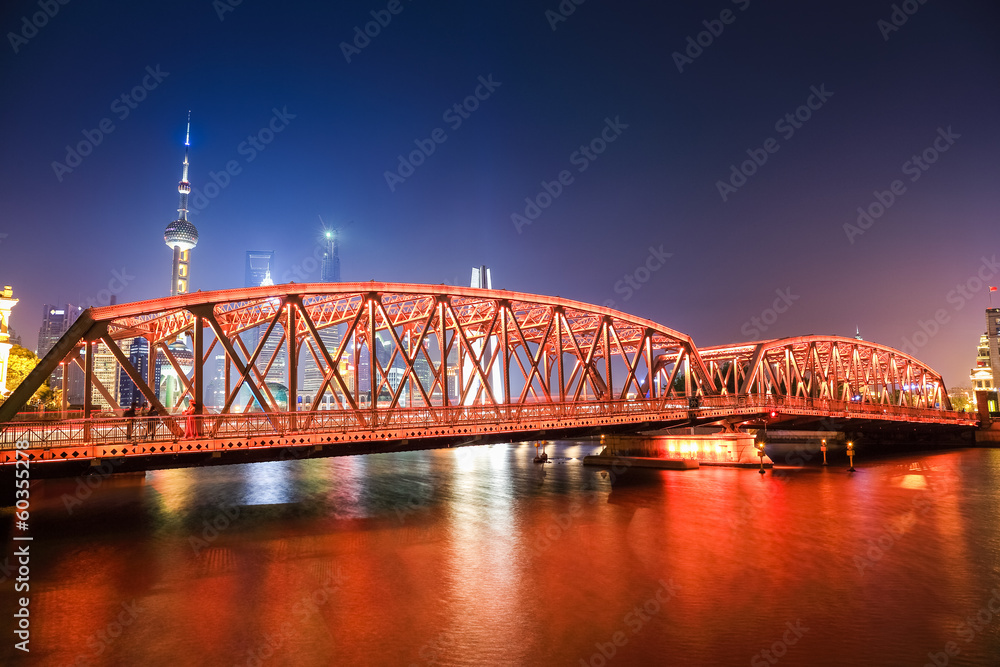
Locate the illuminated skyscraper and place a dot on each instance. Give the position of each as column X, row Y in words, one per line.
column 258, row 270
column 329, row 273
column 56, row 320
column 483, row 279
column 138, row 356
column 180, row 235
column 258, row 264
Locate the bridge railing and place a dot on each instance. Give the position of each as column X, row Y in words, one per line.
column 131, row 430
column 806, row 405
column 125, row 431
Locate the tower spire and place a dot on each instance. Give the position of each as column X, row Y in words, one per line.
column 181, row 236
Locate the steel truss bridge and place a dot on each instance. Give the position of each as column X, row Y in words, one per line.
column 419, row 366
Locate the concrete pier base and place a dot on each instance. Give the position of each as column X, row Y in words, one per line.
column 641, row 462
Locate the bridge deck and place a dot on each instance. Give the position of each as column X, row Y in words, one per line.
column 81, row 440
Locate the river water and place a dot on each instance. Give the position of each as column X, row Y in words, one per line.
column 477, row 556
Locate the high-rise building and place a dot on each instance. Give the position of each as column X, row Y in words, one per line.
column 180, row 235
column 215, row 397
column 259, row 268
column 993, row 339
column 138, row 356
column 483, row 279
column 56, row 321
column 106, row 371
column 259, row 263
column 170, row 386
column 982, row 374
column 329, row 273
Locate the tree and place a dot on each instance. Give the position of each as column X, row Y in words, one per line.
column 22, row 361
column 19, row 364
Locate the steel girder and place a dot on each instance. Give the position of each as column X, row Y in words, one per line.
column 401, row 345
column 826, row 367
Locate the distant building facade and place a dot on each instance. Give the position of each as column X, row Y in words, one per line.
column 258, row 271
column 56, row 321
column 312, row 373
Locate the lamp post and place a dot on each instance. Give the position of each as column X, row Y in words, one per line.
column 823, row 449
column 850, row 455
column 760, row 453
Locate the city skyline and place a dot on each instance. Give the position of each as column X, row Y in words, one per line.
column 700, row 170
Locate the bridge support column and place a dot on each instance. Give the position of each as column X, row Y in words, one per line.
column 198, row 335
column 88, row 388
column 292, row 362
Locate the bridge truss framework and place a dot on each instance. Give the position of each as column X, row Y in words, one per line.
column 420, row 361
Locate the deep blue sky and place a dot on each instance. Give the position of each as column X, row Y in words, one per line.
column 656, row 185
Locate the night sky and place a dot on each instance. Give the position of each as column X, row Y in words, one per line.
column 642, row 125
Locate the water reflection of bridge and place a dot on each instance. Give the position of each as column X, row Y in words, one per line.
column 453, row 365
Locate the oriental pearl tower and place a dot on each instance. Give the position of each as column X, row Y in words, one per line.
column 180, row 235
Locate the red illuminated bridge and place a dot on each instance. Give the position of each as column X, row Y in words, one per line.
column 446, row 366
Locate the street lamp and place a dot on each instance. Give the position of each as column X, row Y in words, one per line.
column 850, row 455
